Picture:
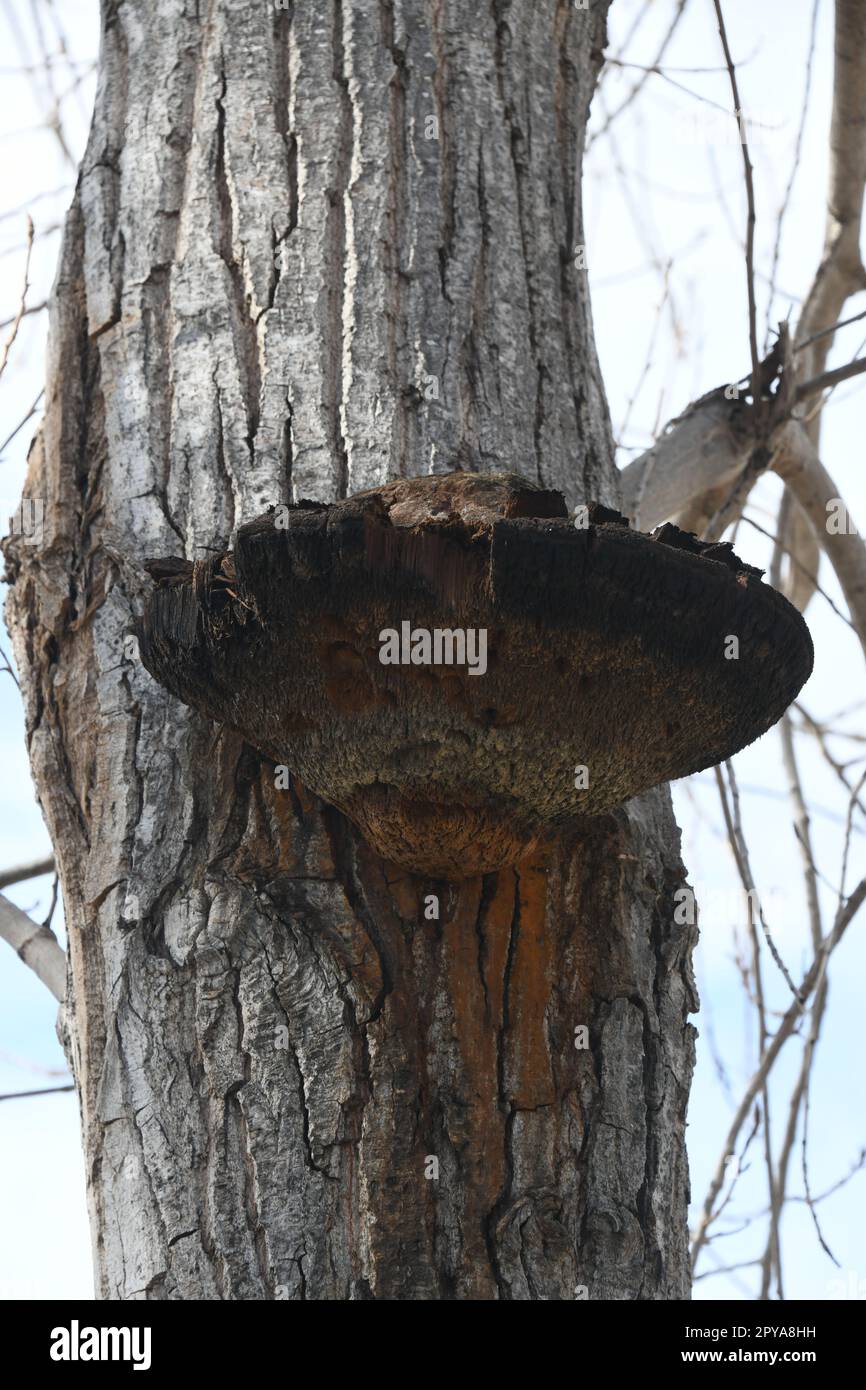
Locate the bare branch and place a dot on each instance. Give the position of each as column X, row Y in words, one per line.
column 841, row 272
column 837, row 1186
column 801, row 1086
column 802, row 830
column 648, row 363
column 828, row 332
column 31, row 309
column 726, row 1269
column 636, row 88
column 821, row 733
column 796, row 460
column 736, row 834
column 704, row 448
column 798, row 566
column 707, row 448
column 739, row 849
column 795, row 164
column 750, row 217
column 804, row 1146
column 831, row 378
column 35, row 198
column 814, row 976
column 22, row 422
column 43, row 1091
column 24, row 871
column 798, row 542
column 37, row 946
column 16, row 321
column 7, row 667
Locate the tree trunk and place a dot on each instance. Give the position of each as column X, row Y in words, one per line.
column 312, row 249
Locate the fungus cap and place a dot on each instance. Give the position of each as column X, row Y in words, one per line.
column 614, row 660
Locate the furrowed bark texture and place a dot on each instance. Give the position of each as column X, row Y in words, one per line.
column 310, row 250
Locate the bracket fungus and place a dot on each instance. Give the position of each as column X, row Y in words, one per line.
column 338, row 640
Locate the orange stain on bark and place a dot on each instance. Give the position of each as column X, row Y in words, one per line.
column 529, row 1075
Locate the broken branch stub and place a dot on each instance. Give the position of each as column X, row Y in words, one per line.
column 464, row 670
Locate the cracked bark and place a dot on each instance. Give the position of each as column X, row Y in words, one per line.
column 272, row 254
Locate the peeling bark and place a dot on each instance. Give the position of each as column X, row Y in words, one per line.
column 274, row 286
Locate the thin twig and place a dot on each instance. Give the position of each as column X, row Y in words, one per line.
column 31, row 309
column 8, row 668
column 740, row 852
column 21, row 423
column 810, row 1044
column 813, row 977
column 819, row 732
column 43, row 1091
column 46, row 921
column 726, row 1269
column 750, row 220
column 830, row 379
column 826, row 332
column 22, row 303
column 637, row 87
column 772, row 536
column 798, row 148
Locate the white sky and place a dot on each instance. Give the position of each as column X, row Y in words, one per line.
column 684, row 205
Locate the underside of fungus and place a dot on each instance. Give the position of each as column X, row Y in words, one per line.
column 613, row 660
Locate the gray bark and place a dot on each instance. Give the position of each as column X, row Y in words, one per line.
column 266, row 263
